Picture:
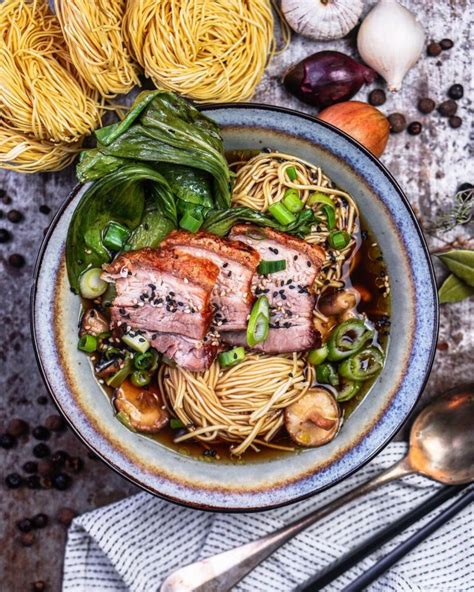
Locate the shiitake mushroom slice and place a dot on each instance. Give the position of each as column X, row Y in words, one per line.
column 141, row 407
column 94, row 323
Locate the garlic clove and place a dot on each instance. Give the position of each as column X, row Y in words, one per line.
column 390, row 40
column 322, row 19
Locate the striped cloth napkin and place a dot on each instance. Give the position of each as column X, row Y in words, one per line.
column 134, row 544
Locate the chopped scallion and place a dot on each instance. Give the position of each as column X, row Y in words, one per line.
column 115, row 236
column 330, row 214
column 146, row 361
column 190, row 222
column 116, row 379
column 176, row 424
column 231, row 357
column 281, row 213
column 319, row 197
column 140, row 378
column 91, row 285
column 267, row 267
column 136, row 342
column 87, row 343
column 339, row 239
column 259, row 322
column 291, row 173
column 291, row 200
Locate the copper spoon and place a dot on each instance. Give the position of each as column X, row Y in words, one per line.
column 441, row 447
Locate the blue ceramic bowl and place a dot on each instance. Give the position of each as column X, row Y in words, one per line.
column 269, row 483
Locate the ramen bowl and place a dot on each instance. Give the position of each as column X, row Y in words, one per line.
column 279, row 480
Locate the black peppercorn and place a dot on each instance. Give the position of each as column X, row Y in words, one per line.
column 397, row 122
column 465, row 187
column 33, row 482
column 55, row 423
column 13, row 481
column 17, row 427
column 45, row 467
column 41, row 450
column 15, row 216
column 448, row 108
column 5, row 236
column 44, row 210
column 455, row 121
column 30, row 467
column 414, row 128
column 61, row 481
column 377, row 97
column 41, row 433
column 59, row 458
column 434, row 49
column 426, row 105
column 75, row 464
column 24, row 525
column 7, row 441
column 456, row 92
column 27, row 539
column 40, row 520
column 46, row 482
column 7, row 200
column 16, row 260
column 66, row 516
column 446, row 44
column 38, row 586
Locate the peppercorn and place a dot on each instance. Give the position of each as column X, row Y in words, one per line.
column 7, row 200
column 33, row 482
column 7, row 441
column 446, row 44
column 448, row 108
column 30, row 467
column 45, row 467
column 456, row 92
column 455, row 121
column 397, row 122
column 5, row 236
column 17, row 427
column 61, row 481
column 41, row 450
column 45, row 210
column 24, row 525
column 434, row 49
column 15, row 216
column 13, row 481
column 426, row 105
column 38, row 586
column 55, row 423
column 75, row 464
column 16, row 260
column 40, row 520
column 377, row 97
column 414, row 128
column 41, row 433
column 66, row 516
column 46, row 482
column 27, row 539
column 465, row 187
column 59, row 458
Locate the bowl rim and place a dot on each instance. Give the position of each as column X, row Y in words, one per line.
column 432, row 348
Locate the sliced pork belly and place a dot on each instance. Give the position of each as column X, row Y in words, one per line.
column 162, row 290
column 289, row 292
column 232, row 296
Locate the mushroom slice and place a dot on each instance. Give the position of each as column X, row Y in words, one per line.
column 94, row 323
column 338, row 302
column 141, row 407
column 314, row 419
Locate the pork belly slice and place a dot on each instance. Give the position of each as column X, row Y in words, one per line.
column 162, row 290
column 232, row 296
column 281, row 340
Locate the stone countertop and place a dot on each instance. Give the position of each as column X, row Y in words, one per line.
column 429, row 167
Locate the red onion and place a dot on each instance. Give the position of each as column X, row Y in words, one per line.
column 327, row 77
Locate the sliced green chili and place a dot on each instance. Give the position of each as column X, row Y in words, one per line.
column 140, row 378
column 362, row 365
column 330, row 214
column 190, row 222
column 326, row 374
column 259, row 322
column 319, row 197
column 146, row 361
column 348, row 338
column 347, row 390
column 231, row 357
column 317, row 356
column 87, row 343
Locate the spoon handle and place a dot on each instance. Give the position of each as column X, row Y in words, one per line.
column 219, row 573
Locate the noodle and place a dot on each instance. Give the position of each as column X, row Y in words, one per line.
column 92, row 31
column 41, row 93
column 208, row 50
column 243, row 404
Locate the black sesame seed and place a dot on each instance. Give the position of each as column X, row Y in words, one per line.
column 295, row 258
column 225, row 265
column 275, row 294
column 172, row 294
column 308, row 263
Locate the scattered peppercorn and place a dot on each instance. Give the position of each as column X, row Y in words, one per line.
column 15, row 216
column 30, row 467
column 426, row 105
column 41, row 433
column 7, row 441
column 61, row 481
column 456, row 92
column 7, row 200
column 66, row 516
column 16, row 260
column 455, row 121
column 45, row 467
column 55, row 423
column 24, row 525
column 38, row 586
column 17, row 427
column 397, row 122
column 414, row 128
column 33, row 482
column 465, row 186
column 13, row 481
column 446, row 44
column 27, row 539
column 434, row 49
column 75, row 464
column 5, row 236
column 44, row 210
column 448, row 108
column 377, row 97
column 41, row 450
column 59, row 458
column 46, row 482
column 40, row 520
column 42, row 400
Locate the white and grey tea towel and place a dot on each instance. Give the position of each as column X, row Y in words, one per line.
column 133, row 544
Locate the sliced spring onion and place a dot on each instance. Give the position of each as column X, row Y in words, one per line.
column 347, row 390
column 319, row 197
column 317, row 356
column 176, row 424
column 267, row 267
column 259, row 322
column 109, row 296
column 140, row 378
column 115, row 236
column 362, row 365
column 330, row 214
column 326, row 374
column 87, row 343
column 291, row 200
column 146, row 361
column 339, row 239
column 281, row 213
column 136, row 342
column 231, row 357
column 347, row 339
column 91, row 285
column 190, row 222
column 112, row 352
column 125, row 420
column 116, row 379
column 291, row 173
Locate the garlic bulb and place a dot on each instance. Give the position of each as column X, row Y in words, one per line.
column 390, row 40
column 322, row 19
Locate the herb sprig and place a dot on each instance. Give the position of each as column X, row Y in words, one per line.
column 461, row 212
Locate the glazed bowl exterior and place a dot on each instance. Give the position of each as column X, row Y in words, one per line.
column 275, row 481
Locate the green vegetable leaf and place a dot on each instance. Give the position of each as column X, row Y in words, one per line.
column 460, row 262
column 190, row 185
column 454, row 290
column 153, row 228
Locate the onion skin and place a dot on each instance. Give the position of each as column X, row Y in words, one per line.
column 327, row 77
column 364, row 123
